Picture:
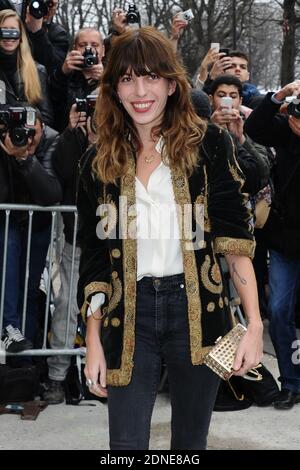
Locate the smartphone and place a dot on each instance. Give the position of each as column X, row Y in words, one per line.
column 215, row 46
column 226, row 103
column 225, row 50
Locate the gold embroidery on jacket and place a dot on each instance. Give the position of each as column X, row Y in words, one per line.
column 182, row 198
column 211, row 276
column 116, row 292
column 211, row 307
column 234, row 246
column 122, row 376
column 115, row 322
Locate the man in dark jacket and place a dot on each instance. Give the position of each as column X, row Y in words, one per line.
column 75, row 78
column 49, row 40
column 26, row 177
column 268, row 127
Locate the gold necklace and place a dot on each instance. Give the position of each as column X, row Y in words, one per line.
column 149, row 159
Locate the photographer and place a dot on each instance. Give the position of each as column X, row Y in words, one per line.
column 71, row 146
column 27, row 177
column 79, row 75
column 271, row 123
column 49, row 40
column 25, row 81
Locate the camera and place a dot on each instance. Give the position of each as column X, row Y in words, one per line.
column 39, row 8
column 133, row 17
column 186, row 15
column 7, row 33
column 13, row 120
column 293, row 108
column 86, row 105
column 89, row 57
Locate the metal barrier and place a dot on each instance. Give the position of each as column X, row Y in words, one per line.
column 31, row 209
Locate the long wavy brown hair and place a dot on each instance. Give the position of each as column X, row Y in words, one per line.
column 143, row 51
column 25, row 63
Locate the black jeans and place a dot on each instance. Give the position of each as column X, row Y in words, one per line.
column 162, row 336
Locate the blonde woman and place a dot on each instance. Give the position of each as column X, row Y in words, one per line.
column 151, row 293
column 25, row 81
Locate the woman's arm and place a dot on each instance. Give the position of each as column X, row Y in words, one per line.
column 250, row 350
column 95, row 364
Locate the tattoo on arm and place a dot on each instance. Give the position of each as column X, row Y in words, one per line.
column 234, row 272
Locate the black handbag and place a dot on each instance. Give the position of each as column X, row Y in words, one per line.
column 261, row 392
column 239, row 393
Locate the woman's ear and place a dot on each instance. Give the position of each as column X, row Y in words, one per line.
column 172, row 87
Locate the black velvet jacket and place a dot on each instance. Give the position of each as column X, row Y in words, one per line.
column 109, row 265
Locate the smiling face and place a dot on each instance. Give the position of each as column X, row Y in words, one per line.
column 8, row 46
column 145, row 97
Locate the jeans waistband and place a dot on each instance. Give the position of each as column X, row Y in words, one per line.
column 162, row 283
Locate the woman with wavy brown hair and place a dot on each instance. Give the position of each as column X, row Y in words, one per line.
column 159, row 199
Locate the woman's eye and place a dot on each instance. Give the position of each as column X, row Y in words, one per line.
column 126, row 78
column 153, row 76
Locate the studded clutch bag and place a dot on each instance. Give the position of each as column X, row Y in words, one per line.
column 221, row 357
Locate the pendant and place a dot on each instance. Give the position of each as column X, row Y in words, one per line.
column 149, row 159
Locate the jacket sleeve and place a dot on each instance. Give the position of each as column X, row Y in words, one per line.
column 45, row 105
column 227, row 206
column 266, row 126
column 94, row 269
column 38, row 173
column 70, row 147
column 254, row 163
column 49, row 48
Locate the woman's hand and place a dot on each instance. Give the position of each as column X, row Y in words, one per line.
column 250, row 349
column 95, row 367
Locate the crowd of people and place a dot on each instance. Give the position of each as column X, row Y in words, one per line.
column 100, row 117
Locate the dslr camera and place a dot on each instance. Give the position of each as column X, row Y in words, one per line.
column 39, row 8
column 90, row 58
column 13, row 120
column 8, row 33
column 293, row 108
column 86, row 105
column 133, row 16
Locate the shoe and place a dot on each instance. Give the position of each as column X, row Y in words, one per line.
column 287, row 399
column 55, row 392
column 14, row 341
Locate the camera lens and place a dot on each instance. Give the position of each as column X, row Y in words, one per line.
column 18, row 136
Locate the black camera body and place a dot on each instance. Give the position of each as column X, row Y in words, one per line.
column 86, row 105
column 133, row 16
column 39, row 8
column 293, row 108
column 89, row 58
column 13, row 120
column 9, row 33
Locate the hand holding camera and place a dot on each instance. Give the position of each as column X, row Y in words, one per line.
column 14, row 151
column 119, row 20
column 179, row 23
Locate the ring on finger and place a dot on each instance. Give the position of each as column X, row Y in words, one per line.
column 90, row 383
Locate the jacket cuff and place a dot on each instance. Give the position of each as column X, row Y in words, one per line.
column 234, row 246
column 92, row 289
